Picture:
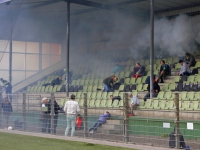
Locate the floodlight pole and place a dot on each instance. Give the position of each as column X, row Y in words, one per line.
column 10, row 64
column 67, row 45
column 151, row 47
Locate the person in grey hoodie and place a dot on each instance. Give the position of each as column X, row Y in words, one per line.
column 185, row 70
column 101, row 120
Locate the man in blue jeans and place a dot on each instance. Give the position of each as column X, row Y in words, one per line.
column 101, row 120
column 71, row 108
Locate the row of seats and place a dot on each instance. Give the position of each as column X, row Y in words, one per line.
column 43, row 89
column 169, row 104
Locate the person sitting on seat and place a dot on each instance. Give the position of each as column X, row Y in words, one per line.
column 7, row 85
column 189, row 59
column 156, row 89
column 164, row 70
column 115, row 98
column 56, row 81
column 185, row 70
column 172, row 140
column 100, row 121
column 108, row 83
column 138, row 71
column 134, row 102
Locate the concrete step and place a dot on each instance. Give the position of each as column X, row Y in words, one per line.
column 113, row 122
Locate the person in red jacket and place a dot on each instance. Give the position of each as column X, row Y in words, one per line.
column 78, row 122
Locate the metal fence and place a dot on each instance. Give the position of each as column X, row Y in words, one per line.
column 139, row 129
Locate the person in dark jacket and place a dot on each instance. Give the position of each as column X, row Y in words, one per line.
column 147, row 81
column 189, row 59
column 172, row 140
column 164, row 71
column 56, row 109
column 7, row 85
column 113, row 98
column 7, row 110
column 138, row 71
column 101, row 120
column 156, row 89
column 45, row 115
column 56, row 81
column 108, row 83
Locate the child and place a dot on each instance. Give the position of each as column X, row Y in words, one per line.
column 78, row 122
column 101, row 120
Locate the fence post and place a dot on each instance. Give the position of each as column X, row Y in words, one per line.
column 126, row 117
column 1, row 100
column 85, row 115
column 176, row 121
column 52, row 114
column 24, row 111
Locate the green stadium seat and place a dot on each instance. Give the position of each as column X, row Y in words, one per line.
column 39, row 89
column 196, row 105
column 177, row 66
column 35, row 89
column 86, row 82
column 96, row 81
column 167, row 95
column 156, row 104
column 98, row 103
column 139, row 87
column 104, row 95
column 61, row 103
column 172, row 87
column 171, row 104
column 94, row 88
column 184, row 105
column 190, row 95
column 89, row 94
column 81, row 82
column 177, row 79
column 90, row 88
column 160, row 95
column 81, row 102
column 38, row 83
column 121, row 88
column 197, row 79
column 93, row 95
column 59, row 88
column 121, row 103
column 162, row 105
column 144, row 79
column 114, row 94
column 31, row 88
column 138, row 81
column 99, row 95
column 145, row 86
column 149, row 104
column 42, row 89
column 147, row 67
column 197, row 96
column 78, row 95
column 142, row 103
column 127, row 74
column 85, row 88
column 104, row 103
column 197, row 65
column 47, row 89
column 115, row 103
column 28, row 89
column 132, row 81
column 127, row 68
column 147, row 62
column 190, row 79
column 91, row 81
column 121, row 75
column 92, row 103
column 165, row 87
column 109, row 103
column 54, row 90
column 127, row 81
column 183, row 96
column 190, row 105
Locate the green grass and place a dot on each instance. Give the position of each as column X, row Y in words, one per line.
column 10, row 141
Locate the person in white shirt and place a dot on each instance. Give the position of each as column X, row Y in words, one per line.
column 71, row 108
column 185, row 69
column 134, row 102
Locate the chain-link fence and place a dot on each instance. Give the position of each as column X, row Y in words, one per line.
column 28, row 114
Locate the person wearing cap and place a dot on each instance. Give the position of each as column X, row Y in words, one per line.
column 7, row 85
column 71, row 108
column 134, row 102
column 45, row 115
column 189, row 59
column 7, row 110
column 185, row 70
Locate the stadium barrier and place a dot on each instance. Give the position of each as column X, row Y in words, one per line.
column 119, row 127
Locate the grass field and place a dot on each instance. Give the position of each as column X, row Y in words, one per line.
column 10, row 141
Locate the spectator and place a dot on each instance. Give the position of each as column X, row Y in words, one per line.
column 185, row 70
column 79, row 122
column 138, row 71
column 63, row 71
column 118, row 67
column 7, row 110
column 108, row 83
column 45, row 115
column 164, row 70
column 101, row 120
column 56, row 81
column 189, row 59
column 134, row 102
column 172, row 140
column 115, row 98
column 156, row 89
column 7, row 85
column 71, row 108
column 56, row 109
column 147, row 81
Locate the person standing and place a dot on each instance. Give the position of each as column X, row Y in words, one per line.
column 56, row 109
column 45, row 115
column 7, row 110
column 71, row 108
column 7, row 85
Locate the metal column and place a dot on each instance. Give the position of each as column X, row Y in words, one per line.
column 52, row 114
column 85, row 116
column 10, row 64
column 151, row 46
column 176, row 121
column 67, row 45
